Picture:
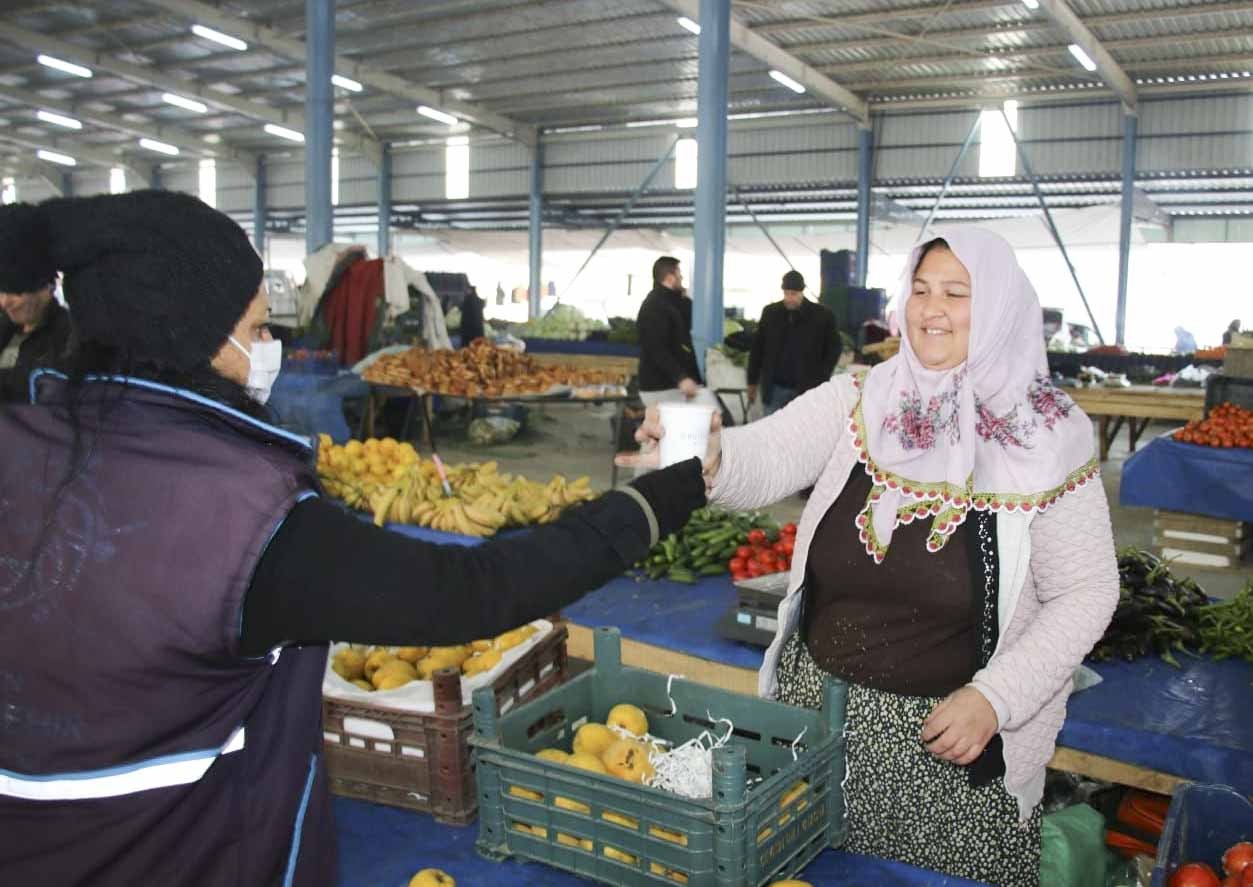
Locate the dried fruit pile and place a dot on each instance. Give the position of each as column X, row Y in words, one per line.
column 479, row 370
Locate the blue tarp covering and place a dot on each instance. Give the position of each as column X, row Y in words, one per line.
column 385, row 847
column 1194, row 721
column 670, row 615
column 1185, row 477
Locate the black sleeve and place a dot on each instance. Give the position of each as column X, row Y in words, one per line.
column 328, row 575
column 656, row 342
column 757, row 352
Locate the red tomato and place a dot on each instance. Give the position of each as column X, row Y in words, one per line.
column 1246, row 877
column 756, row 537
column 740, row 576
column 755, row 569
column 744, row 552
column 788, row 530
column 766, row 558
column 779, row 549
column 736, row 565
column 1194, row 874
column 1238, row 858
column 789, row 546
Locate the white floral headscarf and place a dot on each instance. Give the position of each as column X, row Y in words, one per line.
column 992, row 433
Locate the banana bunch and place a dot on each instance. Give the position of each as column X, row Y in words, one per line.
column 391, row 482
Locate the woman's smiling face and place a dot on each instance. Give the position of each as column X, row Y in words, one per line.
column 937, row 316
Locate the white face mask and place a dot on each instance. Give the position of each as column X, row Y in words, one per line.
column 264, row 362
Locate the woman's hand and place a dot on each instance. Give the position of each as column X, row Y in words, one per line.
column 960, row 727
column 649, row 435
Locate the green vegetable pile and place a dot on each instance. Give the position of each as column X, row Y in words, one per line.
column 704, row 546
column 1160, row 615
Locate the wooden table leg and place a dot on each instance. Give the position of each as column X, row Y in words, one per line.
column 1135, row 431
column 1103, row 434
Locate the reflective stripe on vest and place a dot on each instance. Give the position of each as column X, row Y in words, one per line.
column 163, row 772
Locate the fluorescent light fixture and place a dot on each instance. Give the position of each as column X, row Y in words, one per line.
column 438, row 116
column 1082, row 57
column 159, row 147
column 641, row 124
column 51, row 61
column 1031, row 4
column 59, row 119
column 346, row 83
column 117, row 180
column 457, row 168
column 218, row 37
column 688, row 25
column 686, row 123
column 780, row 77
column 685, row 165
column 284, row 133
column 208, row 181
column 186, row 104
column 54, row 157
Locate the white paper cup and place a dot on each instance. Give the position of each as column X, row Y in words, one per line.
column 687, row 431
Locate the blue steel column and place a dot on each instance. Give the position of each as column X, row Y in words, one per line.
column 711, row 174
column 155, row 177
column 1129, row 122
column 536, row 227
column 67, row 184
column 319, row 66
column 385, row 203
column 260, row 213
column 865, row 169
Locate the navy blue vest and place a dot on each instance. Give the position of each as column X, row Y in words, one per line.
column 137, row 746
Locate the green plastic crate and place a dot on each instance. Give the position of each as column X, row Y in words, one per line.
column 742, row 837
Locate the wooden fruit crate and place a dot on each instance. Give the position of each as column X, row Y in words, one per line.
column 1201, row 541
column 425, row 765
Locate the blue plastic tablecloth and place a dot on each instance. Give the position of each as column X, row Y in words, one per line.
column 1186, row 477
column 1195, row 721
column 670, row 615
column 384, row 847
column 558, row 346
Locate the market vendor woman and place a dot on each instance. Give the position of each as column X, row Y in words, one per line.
column 954, row 564
column 169, row 577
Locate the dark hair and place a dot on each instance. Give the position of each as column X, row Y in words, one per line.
column 937, row 243
column 663, row 268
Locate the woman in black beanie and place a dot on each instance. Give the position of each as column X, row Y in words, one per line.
column 165, row 554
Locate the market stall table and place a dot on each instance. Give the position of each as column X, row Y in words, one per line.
column 1146, row 725
column 384, row 847
column 1137, row 405
column 1175, row 476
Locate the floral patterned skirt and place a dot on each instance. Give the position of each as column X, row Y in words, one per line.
column 904, row 803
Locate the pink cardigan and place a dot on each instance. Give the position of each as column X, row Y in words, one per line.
column 1058, row 571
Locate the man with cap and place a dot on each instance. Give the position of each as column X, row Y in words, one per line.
column 796, row 347
column 36, row 331
column 170, row 575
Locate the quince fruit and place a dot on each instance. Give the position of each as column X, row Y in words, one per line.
column 594, row 739
column 628, row 759
column 629, row 717
column 584, row 761
column 432, row 878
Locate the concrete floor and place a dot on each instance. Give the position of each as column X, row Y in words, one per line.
column 575, row 440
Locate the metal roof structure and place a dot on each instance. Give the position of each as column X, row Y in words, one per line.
column 510, row 68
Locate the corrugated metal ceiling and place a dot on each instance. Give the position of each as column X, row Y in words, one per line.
column 585, row 62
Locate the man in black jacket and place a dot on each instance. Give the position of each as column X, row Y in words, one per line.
column 796, row 347
column 37, row 331
column 668, row 368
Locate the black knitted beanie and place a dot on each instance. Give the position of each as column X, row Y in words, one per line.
column 25, row 263
column 159, row 275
